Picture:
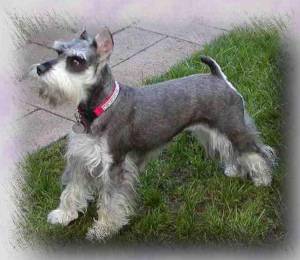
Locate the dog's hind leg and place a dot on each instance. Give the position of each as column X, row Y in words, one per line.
column 253, row 158
column 215, row 145
column 237, row 144
column 116, row 200
column 201, row 133
column 74, row 197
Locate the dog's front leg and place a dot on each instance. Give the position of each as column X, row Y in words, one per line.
column 74, row 197
column 116, row 200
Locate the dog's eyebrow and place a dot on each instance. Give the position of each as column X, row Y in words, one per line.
column 77, row 52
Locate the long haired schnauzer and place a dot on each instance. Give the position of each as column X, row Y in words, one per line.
column 119, row 127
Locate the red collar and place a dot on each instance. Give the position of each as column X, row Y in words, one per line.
column 108, row 101
column 85, row 121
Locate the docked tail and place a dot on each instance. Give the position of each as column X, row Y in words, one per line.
column 214, row 67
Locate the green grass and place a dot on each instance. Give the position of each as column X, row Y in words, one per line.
column 183, row 196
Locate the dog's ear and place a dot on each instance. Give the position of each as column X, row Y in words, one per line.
column 84, row 35
column 104, row 43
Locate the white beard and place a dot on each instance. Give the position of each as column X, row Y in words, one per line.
column 59, row 85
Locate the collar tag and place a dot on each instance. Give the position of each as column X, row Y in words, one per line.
column 79, row 127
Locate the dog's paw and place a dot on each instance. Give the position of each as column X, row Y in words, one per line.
column 102, row 231
column 99, row 233
column 231, row 170
column 263, row 180
column 59, row 216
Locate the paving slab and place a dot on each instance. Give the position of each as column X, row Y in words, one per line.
column 28, row 55
column 93, row 25
column 153, row 61
column 39, row 129
column 194, row 31
column 184, row 17
column 22, row 109
column 131, row 41
column 28, row 93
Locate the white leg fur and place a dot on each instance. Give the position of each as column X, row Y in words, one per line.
column 72, row 200
column 250, row 163
column 217, row 144
column 116, row 202
column 257, row 167
column 231, row 170
column 214, row 142
column 84, row 155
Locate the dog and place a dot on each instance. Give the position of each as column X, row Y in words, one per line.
column 119, row 128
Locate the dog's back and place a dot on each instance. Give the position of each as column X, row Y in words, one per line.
column 176, row 104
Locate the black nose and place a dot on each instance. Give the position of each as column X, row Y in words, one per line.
column 44, row 67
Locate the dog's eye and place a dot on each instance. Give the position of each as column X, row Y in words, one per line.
column 76, row 63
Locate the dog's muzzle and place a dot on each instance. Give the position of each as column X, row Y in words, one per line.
column 44, row 67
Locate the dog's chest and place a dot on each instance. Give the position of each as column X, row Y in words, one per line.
column 89, row 151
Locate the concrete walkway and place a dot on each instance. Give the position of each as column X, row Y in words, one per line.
column 143, row 47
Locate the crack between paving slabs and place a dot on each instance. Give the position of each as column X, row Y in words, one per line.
column 29, row 113
column 49, row 111
column 168, row 35
column 140, row 51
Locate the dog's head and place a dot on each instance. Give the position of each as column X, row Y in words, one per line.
column 76, row 68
